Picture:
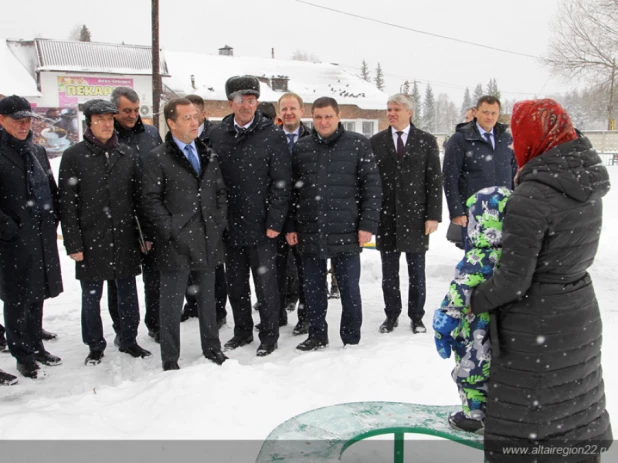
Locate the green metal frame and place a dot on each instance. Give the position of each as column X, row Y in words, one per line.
column 329, row 431
column 400, row 432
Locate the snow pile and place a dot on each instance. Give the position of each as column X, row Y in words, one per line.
column 127, row 398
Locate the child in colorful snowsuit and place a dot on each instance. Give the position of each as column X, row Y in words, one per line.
column 454, row 324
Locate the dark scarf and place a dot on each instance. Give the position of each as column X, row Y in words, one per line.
column 110, row 145
column 40, row 200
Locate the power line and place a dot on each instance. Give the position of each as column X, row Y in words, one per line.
column 417, row 31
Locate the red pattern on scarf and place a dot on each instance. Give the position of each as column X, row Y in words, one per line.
column 538, row 126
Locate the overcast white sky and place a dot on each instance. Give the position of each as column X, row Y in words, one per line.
column 254, row 27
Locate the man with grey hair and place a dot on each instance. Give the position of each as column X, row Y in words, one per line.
column 142, row 138
column 409, row 164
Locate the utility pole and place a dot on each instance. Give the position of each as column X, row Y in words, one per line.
column 610, row 106
column 156, row 68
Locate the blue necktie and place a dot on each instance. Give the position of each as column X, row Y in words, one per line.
column 291, row 137
column 488, row 136
column 192, row 158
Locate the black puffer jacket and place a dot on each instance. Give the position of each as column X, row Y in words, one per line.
column 99, row 193
column 142, row 138
column 29, row 261
column 336, row 193
column 188, row 211
column 471, row 164
column 256, row 168
column 546, row 383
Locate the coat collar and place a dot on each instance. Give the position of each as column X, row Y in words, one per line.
column 13, row 154
column 390, row 143
column 202, row 150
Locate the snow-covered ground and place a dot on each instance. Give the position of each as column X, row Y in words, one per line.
column 125, row 398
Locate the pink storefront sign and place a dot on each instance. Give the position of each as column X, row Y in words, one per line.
column 74, row 90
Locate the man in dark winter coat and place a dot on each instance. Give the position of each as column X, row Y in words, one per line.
column 190, row 309
column 546, row 384
column 29, row 261
column 289, row 265
column 141, row 138
column 255, row 162
column 335, row 210
column 478, row 155
column 99, row 192
column 185, row 199
column 409, row 163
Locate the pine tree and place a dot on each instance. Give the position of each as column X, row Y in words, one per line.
column 379, row 79
column 405, row 88
column 416, row 111
column 467, row 103
column 429, row 111
column 84, row 34
column 365, row 75
column 492, row 88
column 478, row 92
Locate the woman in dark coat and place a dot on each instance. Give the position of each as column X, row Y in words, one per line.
column 546, row 384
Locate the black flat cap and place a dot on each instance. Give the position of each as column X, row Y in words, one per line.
column 16, row 107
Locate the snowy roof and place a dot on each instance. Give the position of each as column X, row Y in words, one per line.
column 106, row 58
column 309, row 80
column 14, row 78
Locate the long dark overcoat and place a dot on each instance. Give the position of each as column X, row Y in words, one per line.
column 29, row 261
column 411, row 190
column 546, row 382
column 99, row 192
column 188, row 211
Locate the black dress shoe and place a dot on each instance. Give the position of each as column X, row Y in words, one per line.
column 236, row 342
column 221, row 322
column 290, row 306
column 266, row 349
column 301, row 327
column 312, row 344
column 167, row 366
column 7, row 379
column 47, row 336
column 418, row 327
column 3, row 343
column 189, row 311
column 155, row 335
column 136, row 351
column 30, row 370
column 215, row 355
column 94, row 358
column 47, row 359
column 389, row 325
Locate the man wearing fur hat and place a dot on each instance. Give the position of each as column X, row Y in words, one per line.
column 256, row 168
column 99, row 200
